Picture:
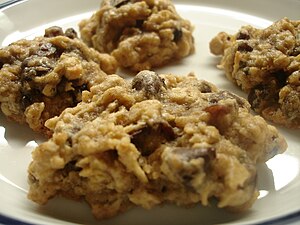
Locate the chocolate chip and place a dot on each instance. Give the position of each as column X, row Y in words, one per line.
column 177, row 33
column 244, row 47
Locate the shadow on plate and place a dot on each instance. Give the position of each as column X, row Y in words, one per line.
column 80, row 213
column 18, row 135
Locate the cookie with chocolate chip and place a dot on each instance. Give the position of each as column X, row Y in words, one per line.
column 39, row 78
column 265, row 63
column 153, row 140
column 139, row 34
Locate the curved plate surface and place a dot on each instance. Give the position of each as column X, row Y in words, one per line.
column 279, row 178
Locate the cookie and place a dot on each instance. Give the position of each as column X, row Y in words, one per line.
column 265, row 63
column 39, row 78
column 155, row 139
column 139, row 34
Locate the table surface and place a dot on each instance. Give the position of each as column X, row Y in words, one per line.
column 2, row 1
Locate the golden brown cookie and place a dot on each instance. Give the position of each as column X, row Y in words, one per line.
column 39, row 78
column 265, row 63
column 156, row 139
column 139, row 34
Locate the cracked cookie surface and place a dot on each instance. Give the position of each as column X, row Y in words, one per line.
column 139, row 34
column 153, row 140
column 265, row 63
column 39, row 78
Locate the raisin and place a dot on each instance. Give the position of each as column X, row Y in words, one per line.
column 217, row 116
column 217, row 111
column 244, row 47
column 242, row 36
column 296, row 51
column 216, row 97
column 34, row 65
column 69, row 142
column 164, row 189
column 185, row 155
column 69, row 167
column 149, row 82
column 149, row 138
column 46, row 49
column 262, row 95
column 53, row 31
column 204, row 87
column 242, row 64
column 177, row 33
column 29, row 97
column 26, row 101
column 83, row 87
column 109, row 156
column 74, row 94
column 76, row 97
column 281, row 78
column 139, row 23
column 32, row 179
column 71, row 33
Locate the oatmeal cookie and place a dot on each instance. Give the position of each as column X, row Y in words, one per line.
column 156, row 139
column 39, row 78
column 139, row 34
column 265, row 63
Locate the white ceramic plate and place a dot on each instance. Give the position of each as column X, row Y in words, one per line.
column 279, row 178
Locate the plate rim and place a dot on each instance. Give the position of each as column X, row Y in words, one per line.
column 9, row 3
column 6, row 219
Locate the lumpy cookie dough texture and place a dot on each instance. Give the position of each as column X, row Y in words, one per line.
column 266, row 64
column 39, row 78
column 139, row 34
column 155, row 139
